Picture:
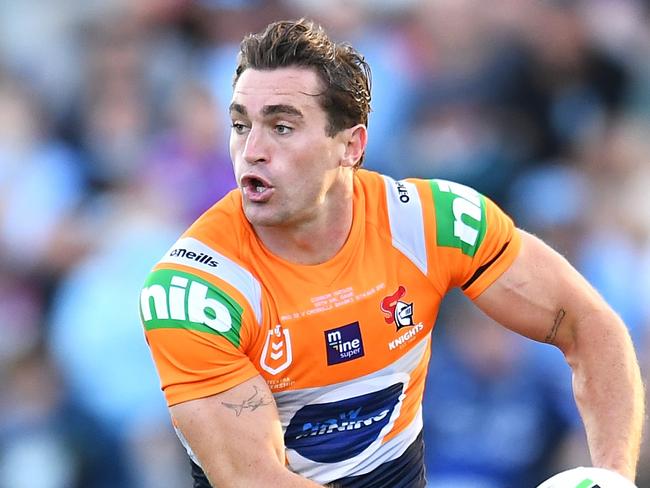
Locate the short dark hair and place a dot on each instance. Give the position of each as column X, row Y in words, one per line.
column 344, row 72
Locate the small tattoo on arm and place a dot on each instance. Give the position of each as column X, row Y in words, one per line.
column 550, row 338
column 256, row 401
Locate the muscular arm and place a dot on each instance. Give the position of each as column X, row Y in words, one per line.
column 543, row 297
column 237, row 437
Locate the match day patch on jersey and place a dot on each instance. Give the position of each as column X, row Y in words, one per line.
column 460, row 216
column 174, row 299
column 339, row 429
column 343, row 343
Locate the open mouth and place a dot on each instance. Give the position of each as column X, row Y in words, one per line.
column 258, row 185
column 256, row 188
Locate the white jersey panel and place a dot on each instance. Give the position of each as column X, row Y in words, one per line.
column 336, row 431
column 406, row 221
column 192, row 252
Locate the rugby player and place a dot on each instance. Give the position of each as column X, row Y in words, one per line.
column 291, row 323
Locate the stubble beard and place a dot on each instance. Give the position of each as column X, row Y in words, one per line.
column 267, row 215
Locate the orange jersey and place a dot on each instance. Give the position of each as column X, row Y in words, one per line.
column 343, row 345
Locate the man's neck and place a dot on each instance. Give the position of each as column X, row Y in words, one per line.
column 315, row 241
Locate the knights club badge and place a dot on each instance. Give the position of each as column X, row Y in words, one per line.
column 397, row 311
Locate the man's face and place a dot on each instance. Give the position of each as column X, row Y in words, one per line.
column 284, row 161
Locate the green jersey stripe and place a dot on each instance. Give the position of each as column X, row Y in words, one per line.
column 460, row 216
column 175, row 299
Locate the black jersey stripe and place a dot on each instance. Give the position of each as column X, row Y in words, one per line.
column 484, row 267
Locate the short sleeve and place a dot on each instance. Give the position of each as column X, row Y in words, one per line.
column 474, row 240
column 198, row 331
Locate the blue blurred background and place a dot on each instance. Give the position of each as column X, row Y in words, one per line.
column 113, row 138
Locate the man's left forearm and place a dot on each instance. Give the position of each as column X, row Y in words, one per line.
column 608, row 390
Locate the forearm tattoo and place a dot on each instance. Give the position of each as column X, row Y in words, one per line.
column 550, row 338
column 256, row 401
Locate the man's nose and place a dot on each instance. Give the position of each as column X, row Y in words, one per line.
column 255, row 149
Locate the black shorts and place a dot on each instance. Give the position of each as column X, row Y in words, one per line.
column 407, row 471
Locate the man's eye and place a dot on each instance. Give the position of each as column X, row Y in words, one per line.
column 283, row 129
column 239, row 127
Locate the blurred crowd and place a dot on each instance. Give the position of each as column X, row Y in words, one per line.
column 113, row 138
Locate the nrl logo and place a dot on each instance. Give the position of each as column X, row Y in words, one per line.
column 279, row 355
column 398, row 312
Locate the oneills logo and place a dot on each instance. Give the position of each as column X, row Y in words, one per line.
column 195, row 256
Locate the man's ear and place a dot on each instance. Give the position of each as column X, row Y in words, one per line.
column 355, row 140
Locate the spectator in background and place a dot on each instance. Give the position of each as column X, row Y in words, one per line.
column 40, row 184
column 189, row 161
column 97, row 344
column 460, row 125
column 36, row 436
column 594, row 208
column 41, row 188
column 93, row 331
column 494, row 418
column 616, row 243
column 115, row 113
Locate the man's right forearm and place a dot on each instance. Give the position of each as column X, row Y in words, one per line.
column 257, row 478
column 294, row 480
column 237, row 437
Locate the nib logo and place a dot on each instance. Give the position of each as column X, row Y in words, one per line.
column 277, row 354
column 184, row 300
column 398, row 312
column 178, row 300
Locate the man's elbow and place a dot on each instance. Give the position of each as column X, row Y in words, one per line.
column 598, row 333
